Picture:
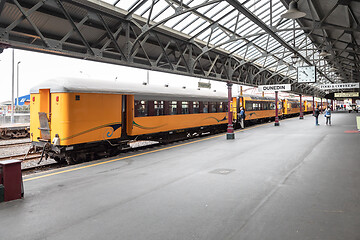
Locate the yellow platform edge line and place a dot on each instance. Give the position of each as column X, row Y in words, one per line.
column 131, row 156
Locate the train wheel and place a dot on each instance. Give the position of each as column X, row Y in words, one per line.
column 69, row 160
column 59, row 160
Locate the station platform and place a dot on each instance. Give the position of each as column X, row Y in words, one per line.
column 295, row 181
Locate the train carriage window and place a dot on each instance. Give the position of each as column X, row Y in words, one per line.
column 221, row 107
column 295, row 105
column 272, row 106
column 184, row 107
column 212, row 107
column 256, row 106
column 196, row 107
column 267, row 106
column 206, row 107
column 140, row 108
column 173, row 107
column 159, row 108
column 249, row 106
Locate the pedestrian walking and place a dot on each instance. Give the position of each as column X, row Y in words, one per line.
column 316, row 115
column 328, row 116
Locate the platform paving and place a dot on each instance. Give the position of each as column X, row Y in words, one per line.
column 295, row 181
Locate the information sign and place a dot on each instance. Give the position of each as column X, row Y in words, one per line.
column 339, row 86
column 272, row 88
column 347, row 94
column 204, row 85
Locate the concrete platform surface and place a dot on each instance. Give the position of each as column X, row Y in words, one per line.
column 295, row 181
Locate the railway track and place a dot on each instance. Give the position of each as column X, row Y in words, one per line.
column 6, row 145
column 31, row 156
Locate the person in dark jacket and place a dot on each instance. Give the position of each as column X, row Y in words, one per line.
column 242, row 117
column 316, row 115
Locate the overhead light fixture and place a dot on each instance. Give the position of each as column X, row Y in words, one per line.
column 293, row 12
column 324, row 54
column 332, row 69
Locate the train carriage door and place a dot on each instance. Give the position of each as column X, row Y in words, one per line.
column 45, row 114
column 129, row 115
column 123, row 116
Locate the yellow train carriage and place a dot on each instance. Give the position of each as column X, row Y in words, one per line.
column 291, row 107
column 75, row 117
column 308, row 106
column 72, row 117
column 257, row 107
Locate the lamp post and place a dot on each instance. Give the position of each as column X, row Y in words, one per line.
column 17, row 83
column 12, row 87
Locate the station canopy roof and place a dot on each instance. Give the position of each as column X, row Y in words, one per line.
column 327, row 37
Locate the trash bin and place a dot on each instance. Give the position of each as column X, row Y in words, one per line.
column 11, row 179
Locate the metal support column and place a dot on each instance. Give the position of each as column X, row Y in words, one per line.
column 301, row 108
column 313, row 105
column 321, row 110
column 12, row 86
column 230, row 130
column 17, row 83
column 277, row 123
column 332, row 105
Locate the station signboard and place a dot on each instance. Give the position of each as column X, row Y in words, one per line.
column 204, row 85
column 347, row 94
column 338, row 86
column 272, row 88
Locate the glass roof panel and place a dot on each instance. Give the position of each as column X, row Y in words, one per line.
column 199, row 23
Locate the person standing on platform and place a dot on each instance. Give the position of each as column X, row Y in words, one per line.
column 316, row 115
column 328, row 116
column 242, row 117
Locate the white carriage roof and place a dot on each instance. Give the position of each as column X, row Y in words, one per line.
column 78, row 85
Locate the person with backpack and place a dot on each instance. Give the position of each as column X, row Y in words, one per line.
column 242, row 117
column 328, row 116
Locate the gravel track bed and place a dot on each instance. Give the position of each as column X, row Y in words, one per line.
column 14, row 150
column 21, row 140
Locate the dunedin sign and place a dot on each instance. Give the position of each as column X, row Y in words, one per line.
column 272, row 88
